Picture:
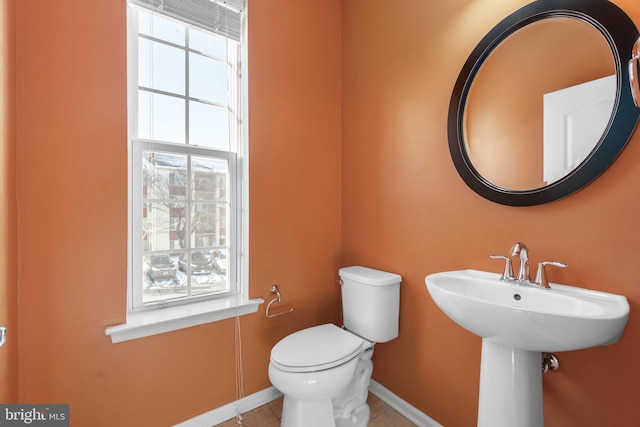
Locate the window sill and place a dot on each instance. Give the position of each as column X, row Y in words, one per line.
column 146, row 323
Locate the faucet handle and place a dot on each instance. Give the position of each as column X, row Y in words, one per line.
column 507, row 275
column 541, row 276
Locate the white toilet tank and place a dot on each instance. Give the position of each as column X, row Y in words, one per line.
column 370, row 302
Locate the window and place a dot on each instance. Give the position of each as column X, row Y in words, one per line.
column 186, row 151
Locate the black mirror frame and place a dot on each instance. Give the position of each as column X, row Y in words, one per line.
column 621, row 34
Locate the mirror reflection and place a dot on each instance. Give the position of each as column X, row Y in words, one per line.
column 540, row 103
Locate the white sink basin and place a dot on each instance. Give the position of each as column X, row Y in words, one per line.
column 562, row 318
column 517, row 323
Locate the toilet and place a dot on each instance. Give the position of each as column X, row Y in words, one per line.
column 324, row 371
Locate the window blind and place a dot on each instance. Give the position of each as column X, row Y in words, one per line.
column 224, row 17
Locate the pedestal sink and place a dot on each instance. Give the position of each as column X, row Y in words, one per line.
column 517, row 323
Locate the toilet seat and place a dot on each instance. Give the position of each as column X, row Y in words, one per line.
column 316, row 349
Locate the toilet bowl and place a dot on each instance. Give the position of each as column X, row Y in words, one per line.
column 324, row 371
column 312, row 367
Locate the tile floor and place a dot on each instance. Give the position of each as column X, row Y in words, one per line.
column 382, row 415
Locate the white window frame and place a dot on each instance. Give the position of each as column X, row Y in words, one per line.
column 164, row 317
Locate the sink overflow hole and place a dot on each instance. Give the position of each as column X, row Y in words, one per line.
column 517, row 297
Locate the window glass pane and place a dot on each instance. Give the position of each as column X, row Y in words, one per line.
column 210, row 178
column 159, row 279
column 163, row 226
column 219, row 258
column 161, row 67
column 211, row 44
column 209, row 222
column 208, row 79
column 161, row 117
column 208, row 126
column 164, row 176
column 157, row 26
column 206, row 285
column 203, row 271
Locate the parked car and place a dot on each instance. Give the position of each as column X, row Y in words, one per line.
column 161, row 268
column 200, row 264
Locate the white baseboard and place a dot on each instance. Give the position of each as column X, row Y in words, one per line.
column 226, row 412
column 409, row 412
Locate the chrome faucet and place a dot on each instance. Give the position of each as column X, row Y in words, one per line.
column 520, row 250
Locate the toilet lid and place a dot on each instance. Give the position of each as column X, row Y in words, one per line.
column 314, row 349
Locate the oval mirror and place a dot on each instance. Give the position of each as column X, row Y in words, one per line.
column 543, row 106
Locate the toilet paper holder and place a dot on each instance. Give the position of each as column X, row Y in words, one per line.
column 278, row 298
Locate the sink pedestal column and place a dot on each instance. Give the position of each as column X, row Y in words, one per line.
column 510, row 387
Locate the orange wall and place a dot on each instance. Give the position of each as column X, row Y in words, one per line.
column 406, row 210
column 349, row 164
column 72, row 212
column 8, row 289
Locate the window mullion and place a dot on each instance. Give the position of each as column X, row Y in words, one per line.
column 233, row 79
column 134, row 296
column 189, row 204
column 170, row 147
column 187, row 86
column 136, row 226
column 189, row 230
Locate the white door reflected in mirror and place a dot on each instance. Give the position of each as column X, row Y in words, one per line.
column 575, row 118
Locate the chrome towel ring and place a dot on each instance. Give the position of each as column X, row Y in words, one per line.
column 278, row 298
